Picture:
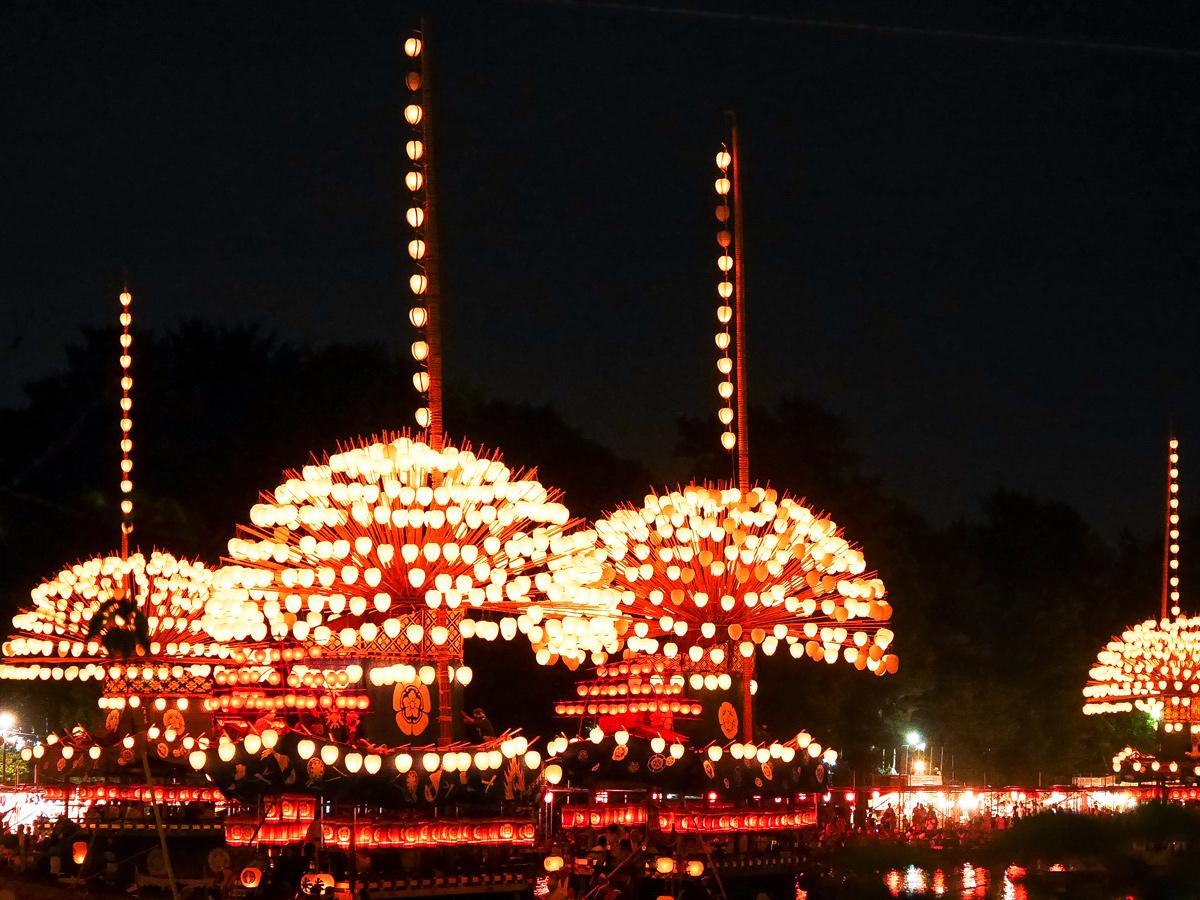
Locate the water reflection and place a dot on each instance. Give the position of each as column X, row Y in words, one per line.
column 968, row 881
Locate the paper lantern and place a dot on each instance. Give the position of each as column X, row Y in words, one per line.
column 251, row 877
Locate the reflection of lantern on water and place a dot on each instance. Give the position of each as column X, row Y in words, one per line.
column 79, row 852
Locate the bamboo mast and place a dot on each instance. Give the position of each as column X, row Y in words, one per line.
column 126, row 406
column 732, row 388
column 126, row 301
column 425, row 286
column 1170, row 569
column 739, row 294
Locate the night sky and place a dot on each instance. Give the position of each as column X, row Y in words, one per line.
column 982, row 254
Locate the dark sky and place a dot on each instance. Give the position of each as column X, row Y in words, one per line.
column 981, row 254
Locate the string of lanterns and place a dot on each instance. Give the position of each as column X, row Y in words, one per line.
column 708, row 575
column 126, row 300
column 1171, row 588
column 725, row 288
column 416, row 180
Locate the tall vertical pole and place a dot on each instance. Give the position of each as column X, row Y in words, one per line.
column 433, row 271
column 739, row 383
column 426, row 286
column 1170, row 571
column 739, row 295
column 126, row 300
column 432, row 258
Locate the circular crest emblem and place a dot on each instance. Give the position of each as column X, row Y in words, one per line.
column 411, row 704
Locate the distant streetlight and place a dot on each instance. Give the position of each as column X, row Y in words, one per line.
column 7, row 723
column 912, row 739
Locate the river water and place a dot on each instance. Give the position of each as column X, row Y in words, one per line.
column 966, row 881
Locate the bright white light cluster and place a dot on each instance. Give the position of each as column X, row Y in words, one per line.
column 708, row 574
column 369, row 541
column 171, row 593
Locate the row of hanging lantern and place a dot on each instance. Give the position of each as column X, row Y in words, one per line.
column 94, row 751
column 94, row 672
column 135, row 792
column 416, row 181
column 1172, row 548
column 621, row 708
column 400, row 834
column 749, row 751
column 126, row 300
column 725, row 289
column 492, row 757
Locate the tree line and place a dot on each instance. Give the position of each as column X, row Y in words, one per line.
column 998, row 616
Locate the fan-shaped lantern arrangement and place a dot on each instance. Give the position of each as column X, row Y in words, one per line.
column 133, row 625
column 1153, row 666
column 391, row 547
column 112, row 613
column 710, row 576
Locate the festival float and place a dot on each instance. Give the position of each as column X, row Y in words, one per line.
column 663, row 745
column 1154, row 667
column 128, row 623
column 344, row 740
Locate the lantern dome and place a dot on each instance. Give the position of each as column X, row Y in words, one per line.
column 712, row 574
column 394, row 544
column 156, row 601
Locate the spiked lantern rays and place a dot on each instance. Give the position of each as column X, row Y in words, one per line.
column 710, row 575
column 368, row 544
column 58, row 626
column 1153, row 666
